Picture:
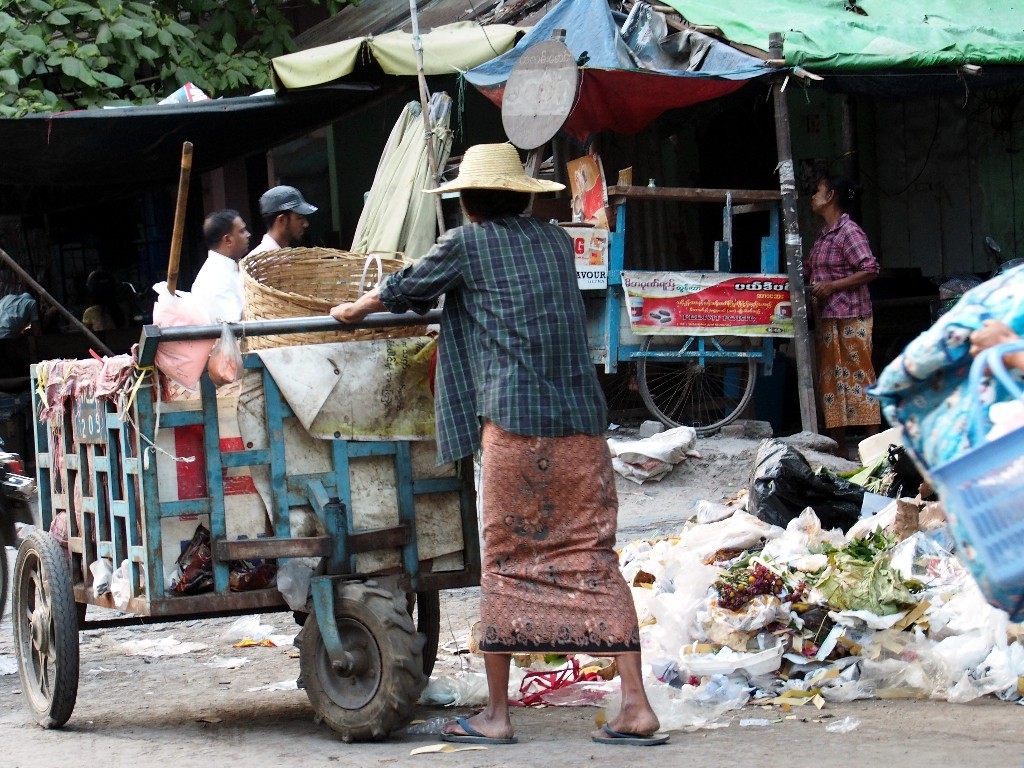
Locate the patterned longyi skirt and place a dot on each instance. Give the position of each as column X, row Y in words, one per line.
column 551, row 581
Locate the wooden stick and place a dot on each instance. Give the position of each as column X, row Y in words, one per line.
column 179, row 217
column 100, row 346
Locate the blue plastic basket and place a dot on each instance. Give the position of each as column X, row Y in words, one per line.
column 983, row 493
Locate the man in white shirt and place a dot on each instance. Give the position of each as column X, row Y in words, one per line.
column 218, row 286
column 284, row 212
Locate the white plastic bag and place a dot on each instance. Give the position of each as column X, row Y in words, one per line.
column 182, row 361
column 689, row 708
column 293, row 583
column 639, row 472
column 102, row 570
column 226, row 358
column 121, row 585
column 669, row 446
column 467, row 689
column 247, row 628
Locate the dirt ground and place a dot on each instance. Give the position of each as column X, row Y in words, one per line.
column 180, row 710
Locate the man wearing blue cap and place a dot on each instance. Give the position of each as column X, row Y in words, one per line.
column 284, row 213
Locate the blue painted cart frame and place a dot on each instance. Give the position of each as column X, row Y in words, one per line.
column 121, row 512
column 689, row 351
column 362, row 661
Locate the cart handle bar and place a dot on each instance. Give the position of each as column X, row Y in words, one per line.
column 287, row 325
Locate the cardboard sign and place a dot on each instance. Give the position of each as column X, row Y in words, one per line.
column 589, row 190
column 591, row 248
column 708, row 304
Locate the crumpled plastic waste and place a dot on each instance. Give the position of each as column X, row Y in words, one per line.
column 164, row 646
column 863, row 618
column 102, row 570
column 651, row 458
column 690, row 707
column 247, row 628
column 121, row 585
column 801, row 616
column 710, row 512
column 293, row 579
column 846, row 725
column 466, row 689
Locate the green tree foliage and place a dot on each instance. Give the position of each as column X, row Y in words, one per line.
column 78, row 54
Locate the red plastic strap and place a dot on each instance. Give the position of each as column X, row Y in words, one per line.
column 545, row 682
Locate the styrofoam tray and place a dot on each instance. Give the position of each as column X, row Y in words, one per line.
column 728, row 661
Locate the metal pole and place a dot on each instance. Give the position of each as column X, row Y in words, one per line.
column 428, row 132
column 60, row 307
column 794, row 250
column 286, row 325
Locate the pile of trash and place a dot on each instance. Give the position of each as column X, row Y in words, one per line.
column 736, row 609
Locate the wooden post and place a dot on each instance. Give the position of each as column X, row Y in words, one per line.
column 179, row 217
column 794, row 250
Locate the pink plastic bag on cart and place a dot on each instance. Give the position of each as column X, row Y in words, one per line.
column 183, row 361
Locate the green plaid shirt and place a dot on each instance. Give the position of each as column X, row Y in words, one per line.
column 513, row 344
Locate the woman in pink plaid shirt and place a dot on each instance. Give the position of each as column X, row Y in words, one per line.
column 838, row 272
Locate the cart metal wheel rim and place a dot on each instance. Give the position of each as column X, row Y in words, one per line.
column 45, row 629
column 356, row 690
column 42, row 636
column 669, row 389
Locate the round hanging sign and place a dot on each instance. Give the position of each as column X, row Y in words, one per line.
column 539, row 94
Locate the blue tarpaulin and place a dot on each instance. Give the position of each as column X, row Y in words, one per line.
column 631, row 70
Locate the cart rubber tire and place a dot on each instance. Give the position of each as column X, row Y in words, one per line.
column 45, row 629
column 381, row 698
column 671, row 390
column 3, row 578
column 428, row 624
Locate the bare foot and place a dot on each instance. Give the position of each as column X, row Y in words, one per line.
column 639, row 722
column 480, row 722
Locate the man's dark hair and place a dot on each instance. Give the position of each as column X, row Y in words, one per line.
column 218, row 224
column 270, row 218
column 487, row 204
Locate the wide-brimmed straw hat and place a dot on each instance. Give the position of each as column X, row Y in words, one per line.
column 495, row 166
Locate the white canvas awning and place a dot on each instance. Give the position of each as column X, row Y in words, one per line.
column 446, row 50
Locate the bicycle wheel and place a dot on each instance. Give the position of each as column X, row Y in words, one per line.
column 704, row 393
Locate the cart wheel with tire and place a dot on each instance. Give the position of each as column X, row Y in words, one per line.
column 706, row 384
column 373, row 687
column 45, row 629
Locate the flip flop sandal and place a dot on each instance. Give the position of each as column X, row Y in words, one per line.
column 629, row 739
column 473, row 736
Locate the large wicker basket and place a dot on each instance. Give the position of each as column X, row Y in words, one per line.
column 306, row 282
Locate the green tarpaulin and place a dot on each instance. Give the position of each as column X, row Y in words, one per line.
column 825, row 35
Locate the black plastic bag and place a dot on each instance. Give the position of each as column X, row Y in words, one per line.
column 782, row 485
column 195, row 565
column 907, row 478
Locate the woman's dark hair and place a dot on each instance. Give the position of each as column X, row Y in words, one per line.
column 487, row 204
column 845, row 191
column 218, row 224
